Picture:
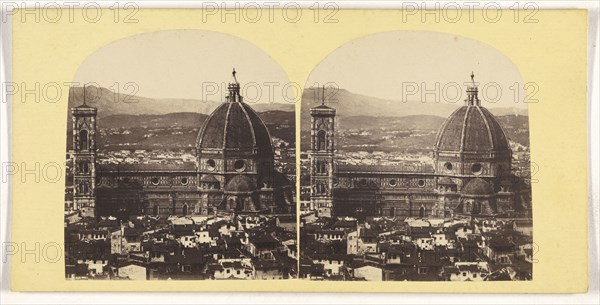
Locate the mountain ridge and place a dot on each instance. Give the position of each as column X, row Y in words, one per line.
column 349, row 104
column 110, row 103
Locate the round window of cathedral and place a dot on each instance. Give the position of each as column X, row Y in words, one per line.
column 239, row 165
column 184, row 181
column 393, row 182
column 421, row 183
column 154, row 180
column 210, row 164
column 477, row 169
column 363, row 182
column 448, row 166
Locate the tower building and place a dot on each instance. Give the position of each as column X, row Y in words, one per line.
column 322, row 150
column 84, row 157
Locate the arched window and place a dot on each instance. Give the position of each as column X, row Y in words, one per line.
column 321, row 167
column 83, row 140
column 185, row 209
column 83, row 188
column 84, row 167
column 422, row 212
column 476, row 209
column 321, row 189
column 321, row 140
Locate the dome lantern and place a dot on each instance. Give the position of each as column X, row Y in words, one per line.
column 234, row 90
column 472, row 98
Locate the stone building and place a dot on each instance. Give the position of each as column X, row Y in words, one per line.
column 471, row 172
column 233, row 173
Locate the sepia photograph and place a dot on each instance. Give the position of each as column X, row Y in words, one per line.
column 180, row 165
column 324, row 152
column 415, row 163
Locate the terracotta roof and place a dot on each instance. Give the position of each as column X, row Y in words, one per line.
column 132, row 232
column 264, row 239
column 214, row 267
column 323, row 231
column 470, row 268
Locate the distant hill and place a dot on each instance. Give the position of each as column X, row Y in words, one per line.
column 134, row 122
column 281, row 124
column 387, row 125
column 181, row 119
column 516, row 126
column 111, row 103
column 265, row 107
column 413, row 133
column 424, row 122
column 350, row 104
column 500, row 111
column 172, row 130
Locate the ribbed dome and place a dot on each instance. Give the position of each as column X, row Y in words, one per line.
column 234, row 126
column 241, row 184
column 478, row 187
column 471, row 128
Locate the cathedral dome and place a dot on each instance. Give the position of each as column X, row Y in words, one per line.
column 234, row 126
column 240, row 184
column 478, row 187
column 471, row 128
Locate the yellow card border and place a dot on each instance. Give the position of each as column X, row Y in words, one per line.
column 551, row 52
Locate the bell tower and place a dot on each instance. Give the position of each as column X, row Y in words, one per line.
column 84, row 157
column 322, row 157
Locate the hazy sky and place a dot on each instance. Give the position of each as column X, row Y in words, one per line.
column 184, row 64
column 398, row 65
column 388, row 65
